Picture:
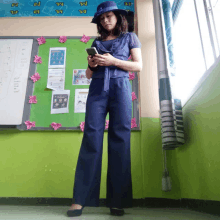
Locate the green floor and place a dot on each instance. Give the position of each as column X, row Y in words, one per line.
column 9, row 212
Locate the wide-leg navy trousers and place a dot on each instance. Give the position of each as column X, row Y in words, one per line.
column 118, row 102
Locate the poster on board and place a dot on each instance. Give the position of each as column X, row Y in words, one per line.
column 60, row 102
column 57, row 57
column 79, row 77
column 56, row 79
column 80, row 100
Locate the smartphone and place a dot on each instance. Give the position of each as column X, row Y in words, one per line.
column 91, row 51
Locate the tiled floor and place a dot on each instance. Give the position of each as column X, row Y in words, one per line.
column 11, row 212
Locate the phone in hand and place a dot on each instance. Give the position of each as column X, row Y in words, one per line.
column 91, row 51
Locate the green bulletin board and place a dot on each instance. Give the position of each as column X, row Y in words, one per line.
column 76, row 58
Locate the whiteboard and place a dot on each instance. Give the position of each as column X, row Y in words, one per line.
column 15, row 56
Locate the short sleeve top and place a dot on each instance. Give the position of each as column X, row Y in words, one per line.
column 120, row 49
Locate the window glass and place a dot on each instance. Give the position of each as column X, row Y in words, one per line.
column 171, row 2
column 188, row 55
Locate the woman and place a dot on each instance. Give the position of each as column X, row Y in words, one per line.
column 109, row 91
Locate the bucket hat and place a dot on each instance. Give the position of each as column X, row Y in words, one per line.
column 105, row 7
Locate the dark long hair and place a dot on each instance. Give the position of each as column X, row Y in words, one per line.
column 120, row 28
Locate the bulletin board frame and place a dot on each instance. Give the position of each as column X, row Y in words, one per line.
column 31, row 85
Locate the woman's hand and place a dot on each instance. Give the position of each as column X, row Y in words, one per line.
column 91, row 61
column 105, row 59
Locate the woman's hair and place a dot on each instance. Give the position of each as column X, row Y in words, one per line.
column 120, row 28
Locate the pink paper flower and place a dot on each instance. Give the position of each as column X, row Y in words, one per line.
column 106, row 124
column 41, row 40
column 82, row 125
column 30, row 124
column 55, row 125
column 35, row 77
column 37, row 59
column 129, row 58
column 133, row 123
column 62, row 39
column 133, row 96
column 85, row 38
column 32, row 99
column 131, row 76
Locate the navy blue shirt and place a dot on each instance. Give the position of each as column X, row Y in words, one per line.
column 120, row 49
column 107, row 44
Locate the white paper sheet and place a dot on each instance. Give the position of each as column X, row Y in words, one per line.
column 57, row 57
column 56, row 79
column 80, row 100
column 60, row 102
column 79, row 77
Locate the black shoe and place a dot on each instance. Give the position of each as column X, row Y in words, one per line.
column 118, row 212
column 75, row 212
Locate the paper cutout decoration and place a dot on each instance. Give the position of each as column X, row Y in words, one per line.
column 37, row 59
column 82, row 125
column 41, row 40
column 62, row 39
column 133, row 96
column 32, row 99
column 85, row 38
column 55, row 125
column 35, row 77
column 131, row 76
column 30, row 124
column 133, row 123
column 129, row 58
column 106, row 124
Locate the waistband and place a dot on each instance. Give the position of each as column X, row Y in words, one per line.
column 108, row 73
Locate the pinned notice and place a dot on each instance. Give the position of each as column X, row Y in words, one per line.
column 60, row 102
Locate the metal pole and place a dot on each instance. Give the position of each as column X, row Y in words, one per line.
column 210, row 29
column 214, row 26
column 200, row 34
